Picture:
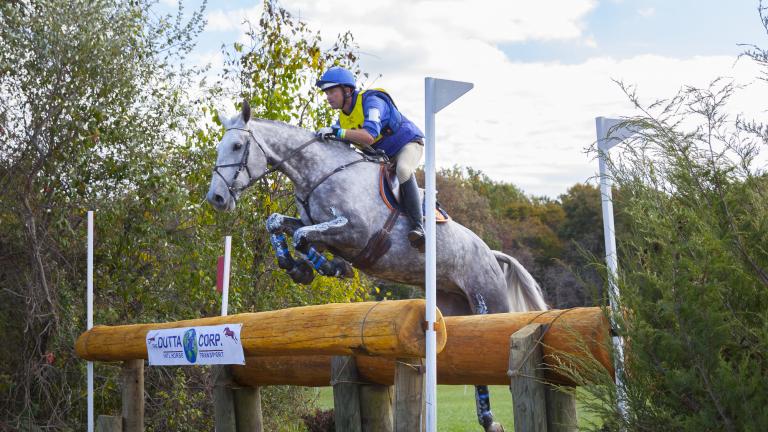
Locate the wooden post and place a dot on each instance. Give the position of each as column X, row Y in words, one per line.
column 561, row 410
column 527, row 386
column 132, row 380
column 105, row 423
column 346, row 396
column 409, row 386
column 223, row 400
column 248, row 409
column 376, row 407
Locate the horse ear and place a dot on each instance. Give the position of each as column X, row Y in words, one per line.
column 246, row 112
column 223, row 119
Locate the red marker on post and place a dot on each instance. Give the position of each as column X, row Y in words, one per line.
column 220, row 274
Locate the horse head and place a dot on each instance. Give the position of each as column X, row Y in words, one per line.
column 240, row 160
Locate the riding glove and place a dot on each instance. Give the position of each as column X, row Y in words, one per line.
column 330, row 132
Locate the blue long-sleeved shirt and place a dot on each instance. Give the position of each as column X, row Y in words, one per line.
column 380, row 113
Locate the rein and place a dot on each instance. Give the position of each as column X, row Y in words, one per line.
column 377, row 157
column 243, row 164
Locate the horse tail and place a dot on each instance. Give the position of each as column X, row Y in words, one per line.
column 523, row 292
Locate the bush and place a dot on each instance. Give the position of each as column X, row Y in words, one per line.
column 693, row 268
column 320, row 421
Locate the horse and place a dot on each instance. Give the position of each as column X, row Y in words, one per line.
column 340, row 209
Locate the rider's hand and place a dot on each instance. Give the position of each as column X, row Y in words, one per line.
column 330, row 132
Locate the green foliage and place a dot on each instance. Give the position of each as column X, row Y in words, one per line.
column 554, row 239
column 90, row 108
column 693, row 268
column 97, row 115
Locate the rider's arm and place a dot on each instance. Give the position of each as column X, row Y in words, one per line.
column 375, row 111
column 359, row 136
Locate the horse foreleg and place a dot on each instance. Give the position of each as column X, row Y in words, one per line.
column 306, row 236
column 278, row 226
column 281, row 224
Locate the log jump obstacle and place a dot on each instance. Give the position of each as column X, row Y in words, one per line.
column 363, row 350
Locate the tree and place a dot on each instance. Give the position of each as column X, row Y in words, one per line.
column 693, row 268
column 90, row 101
column 97, row 114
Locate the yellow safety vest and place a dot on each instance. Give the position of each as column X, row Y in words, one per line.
column 356, row 118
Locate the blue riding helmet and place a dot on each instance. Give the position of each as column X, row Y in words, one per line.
column 336, row 76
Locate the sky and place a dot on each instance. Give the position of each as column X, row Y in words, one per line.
column 542, row 69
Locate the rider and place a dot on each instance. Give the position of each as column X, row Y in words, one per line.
column 370, row 117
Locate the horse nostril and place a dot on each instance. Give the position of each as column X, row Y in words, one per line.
column 219, row 199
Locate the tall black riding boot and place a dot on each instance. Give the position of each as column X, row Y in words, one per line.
column 409, row 197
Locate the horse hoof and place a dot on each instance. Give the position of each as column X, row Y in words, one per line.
column 495, row 427
column 344, row 270
column 302, row 273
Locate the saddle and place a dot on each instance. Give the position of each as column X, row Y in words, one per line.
column 380, row 243
column 389, row 190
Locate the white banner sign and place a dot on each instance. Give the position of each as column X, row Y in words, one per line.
column 207, row 345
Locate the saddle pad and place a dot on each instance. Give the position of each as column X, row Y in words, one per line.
column 387, row 194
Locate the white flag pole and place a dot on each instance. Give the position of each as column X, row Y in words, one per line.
column 430, row 252
column 608, row 136
column 225, row 278
column 89, row 301
column 438, row 93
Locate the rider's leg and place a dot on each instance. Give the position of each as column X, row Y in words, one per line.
column 407, row 159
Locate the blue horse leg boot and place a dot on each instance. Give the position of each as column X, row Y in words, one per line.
column 336, row 267
column 284, row 259
column 483, row 402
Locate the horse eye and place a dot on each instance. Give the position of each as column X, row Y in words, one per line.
column 238, row 146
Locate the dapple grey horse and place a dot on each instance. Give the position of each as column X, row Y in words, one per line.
column 337, row 192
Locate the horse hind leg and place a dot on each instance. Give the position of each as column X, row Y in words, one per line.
column 482, row 395
column 452, row 304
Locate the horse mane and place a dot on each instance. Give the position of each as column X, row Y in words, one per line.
column 340, row 144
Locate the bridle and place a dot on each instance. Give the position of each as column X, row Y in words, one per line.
column 243, row 164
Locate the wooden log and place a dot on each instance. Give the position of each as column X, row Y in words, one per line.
column 561, row 410
column 346, row 397
column 409, row 386
column 105, row 423
column 388, row 328
column 376, row 407
column 224, row 409
column 570, row 333
column 132, row 382
column 528, row 389
column 248, row 409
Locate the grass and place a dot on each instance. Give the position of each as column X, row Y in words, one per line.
column 456, row 407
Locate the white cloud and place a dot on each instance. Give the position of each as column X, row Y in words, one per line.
column 490, row 20
column 527, row 123
column 231, row 20
column 647, row 12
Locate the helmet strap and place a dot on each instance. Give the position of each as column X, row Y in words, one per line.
column 344, row 94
